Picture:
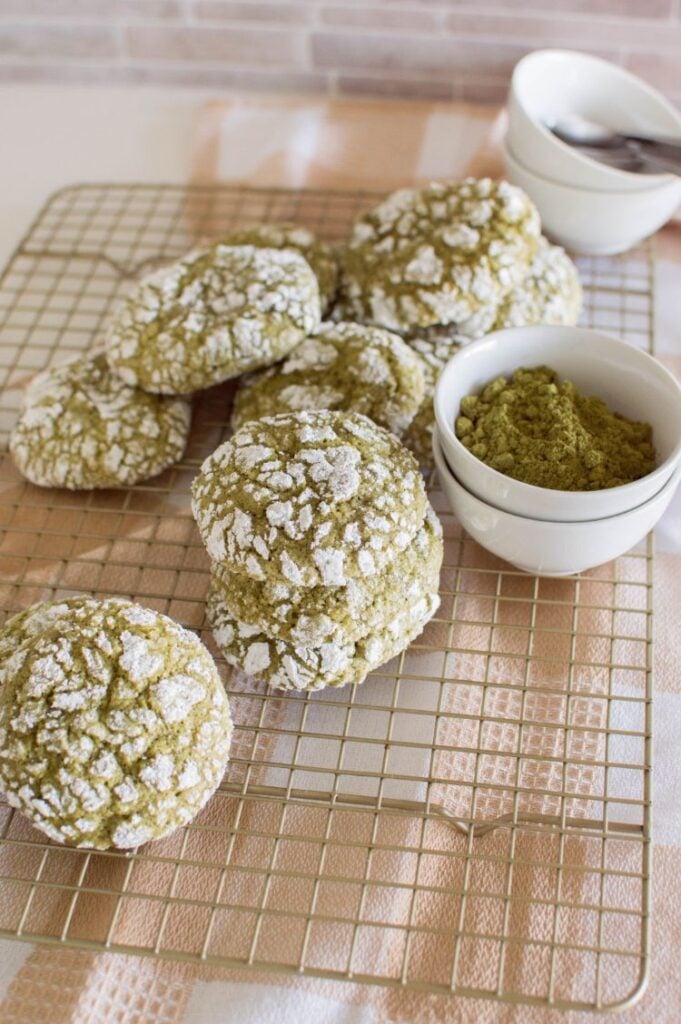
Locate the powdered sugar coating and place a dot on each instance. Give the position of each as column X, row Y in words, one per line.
column 550, row 293
column 345, row 366
column 312, row 616
column 286, row 666
column 114, row 724
column 83, row 428
column 447, row 253
column 217, row 313
column 318, row 254
column 308, row 499
column 35, row 620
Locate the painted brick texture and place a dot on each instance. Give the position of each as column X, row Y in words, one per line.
column 436, row 49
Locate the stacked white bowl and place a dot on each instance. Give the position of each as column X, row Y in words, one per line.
column 552, row 532
column 584, row 204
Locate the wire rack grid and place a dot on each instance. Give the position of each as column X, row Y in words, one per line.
column 473, row 820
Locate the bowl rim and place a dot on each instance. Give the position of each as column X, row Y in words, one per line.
column 551, row 53
column 531, row 491
column 669, row 183
column 442, row 465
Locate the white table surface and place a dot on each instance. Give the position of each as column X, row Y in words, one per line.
column 53, row 136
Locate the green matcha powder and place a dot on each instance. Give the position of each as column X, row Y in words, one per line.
column 541, row 430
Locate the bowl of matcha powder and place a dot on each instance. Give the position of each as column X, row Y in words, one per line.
column 559, row 423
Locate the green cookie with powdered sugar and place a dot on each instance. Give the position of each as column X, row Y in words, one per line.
column 114, row 724
column 312, row 616
column 447, row 253
column 345, row 366
column 309, row 498
column 286, row 666
column 82, row 427
column 318, row 254
column 550, row 293
column 37, row 619
column 215, row 314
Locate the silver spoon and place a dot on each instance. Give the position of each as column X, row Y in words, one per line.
column 628, row 151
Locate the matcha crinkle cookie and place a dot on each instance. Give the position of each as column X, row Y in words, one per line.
column 550, row 293
column 345, row 366
column 309, row 498
column 325, row 552
column 114, row 724
column 287, row 666
column 216, row 313
column 318, row 254
column 36, row 620
column 447, row 253
column 82, row 427
column 313, row 616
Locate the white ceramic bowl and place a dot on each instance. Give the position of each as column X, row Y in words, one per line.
column 549, row 84
column 630, row 381
column 598, row 223
column 550, row 549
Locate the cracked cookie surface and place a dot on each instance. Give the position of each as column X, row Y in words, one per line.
column 218, row 312
column 550, row 292
column 447, row 253
column 82, row 428
column 309, row 498
column 318, row 254
column 114, row 724
column 312, row 616
column 288, row 666
column 345, row 366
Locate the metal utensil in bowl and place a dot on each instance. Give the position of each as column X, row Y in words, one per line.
column 640, row 154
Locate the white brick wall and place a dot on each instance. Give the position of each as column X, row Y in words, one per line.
column 439, row 49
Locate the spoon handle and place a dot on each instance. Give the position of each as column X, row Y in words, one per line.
column 630, row 157
column 658, row 142
column 662, row 153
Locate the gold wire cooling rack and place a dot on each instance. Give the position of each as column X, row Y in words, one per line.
column 473, row 820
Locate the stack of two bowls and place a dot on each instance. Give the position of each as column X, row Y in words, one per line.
column 584, row 204
column 554, row 532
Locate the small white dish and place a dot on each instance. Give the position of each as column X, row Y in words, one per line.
column 548, row 85
column 550, row 549
column 594, row 222
column 629, row 380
